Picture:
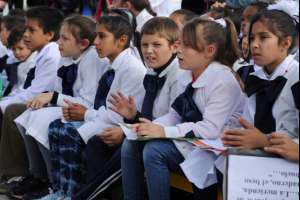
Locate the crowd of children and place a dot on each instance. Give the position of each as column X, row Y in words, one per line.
column 75, row 89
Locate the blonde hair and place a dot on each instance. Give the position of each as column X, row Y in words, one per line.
column 164, row 27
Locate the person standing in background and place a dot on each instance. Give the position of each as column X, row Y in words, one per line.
column 15, row 4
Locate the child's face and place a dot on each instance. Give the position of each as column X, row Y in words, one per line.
column 266, row 50
column 106, row 43
column 4, row 34
column 245, row 47
column 21, row 51
column 68, row 45
column 248, row 13
column 179, row 20
column 196, row 61
column 157, row 51
column 34, row 37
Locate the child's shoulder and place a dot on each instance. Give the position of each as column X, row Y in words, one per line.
column 49, row 51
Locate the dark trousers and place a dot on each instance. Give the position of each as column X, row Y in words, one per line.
column 103, row 167
column 13, row 158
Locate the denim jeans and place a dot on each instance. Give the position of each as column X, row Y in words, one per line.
column 157, row 158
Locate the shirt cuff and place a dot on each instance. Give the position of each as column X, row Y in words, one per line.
column 172, row 132
column 54, row 98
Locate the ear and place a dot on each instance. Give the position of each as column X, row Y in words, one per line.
column 123, row 40
column 174, row 47
column 83, row 44
column 210, row 51
column 50, row 35
column 286, row 43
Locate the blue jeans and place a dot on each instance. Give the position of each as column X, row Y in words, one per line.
column 158, row 158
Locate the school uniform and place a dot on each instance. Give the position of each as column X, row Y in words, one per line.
column 161, row 89
column 142, row 18
column 263, row 91
column 67, row 140
column 16, row 75
column 77, row 81
column 165, row 7
column 286, row 108
column 203, row 110
column 39, row 79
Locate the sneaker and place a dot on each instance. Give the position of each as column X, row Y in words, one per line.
column 6, row 186
column 29, row 184
column 59, row 195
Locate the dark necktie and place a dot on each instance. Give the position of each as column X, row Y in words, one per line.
column 68, row 74
column 3, row 61
column 103, row 88
column 12, row 76
column 245, row 71
column 152, row 84
column 266, row 94
column 295, row 91
column 29, row 78
column 185, row 106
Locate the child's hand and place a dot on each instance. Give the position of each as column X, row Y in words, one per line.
column 40, row 101
column 125, row 107
column 148, row 129
column 247, row 138
column 284, row 146
column 74, row 111
column 112, row 136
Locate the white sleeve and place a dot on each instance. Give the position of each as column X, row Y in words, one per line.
column 88, row 76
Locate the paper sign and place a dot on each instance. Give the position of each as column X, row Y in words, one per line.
column 262, row 178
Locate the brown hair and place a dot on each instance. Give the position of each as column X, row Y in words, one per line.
column 201, row 32
column 81, row 27
column 164, row 27
column 140, row 5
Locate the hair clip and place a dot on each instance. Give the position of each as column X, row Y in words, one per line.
column 221, row 21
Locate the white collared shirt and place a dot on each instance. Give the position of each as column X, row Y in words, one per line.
column 219, row 98
column 170, row 90
column 129, row 76
column 165, row 7
column 142, row 18
column 23, row 69
column 288, row 64
column 90, row 68
column 46, row 65
column 285, row 111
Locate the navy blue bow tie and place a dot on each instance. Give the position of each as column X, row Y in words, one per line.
column 3, row 61
column 12, row 76
column 266, row 94
column 186, row 107
column 152, row 84
column 29, row 78
column 103, row 88
column 68, row 74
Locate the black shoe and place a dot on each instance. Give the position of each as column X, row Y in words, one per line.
column 41, row 192
column 6, row 186
column 28, row 185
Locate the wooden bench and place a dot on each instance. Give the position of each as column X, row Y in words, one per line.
column 180, row 182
